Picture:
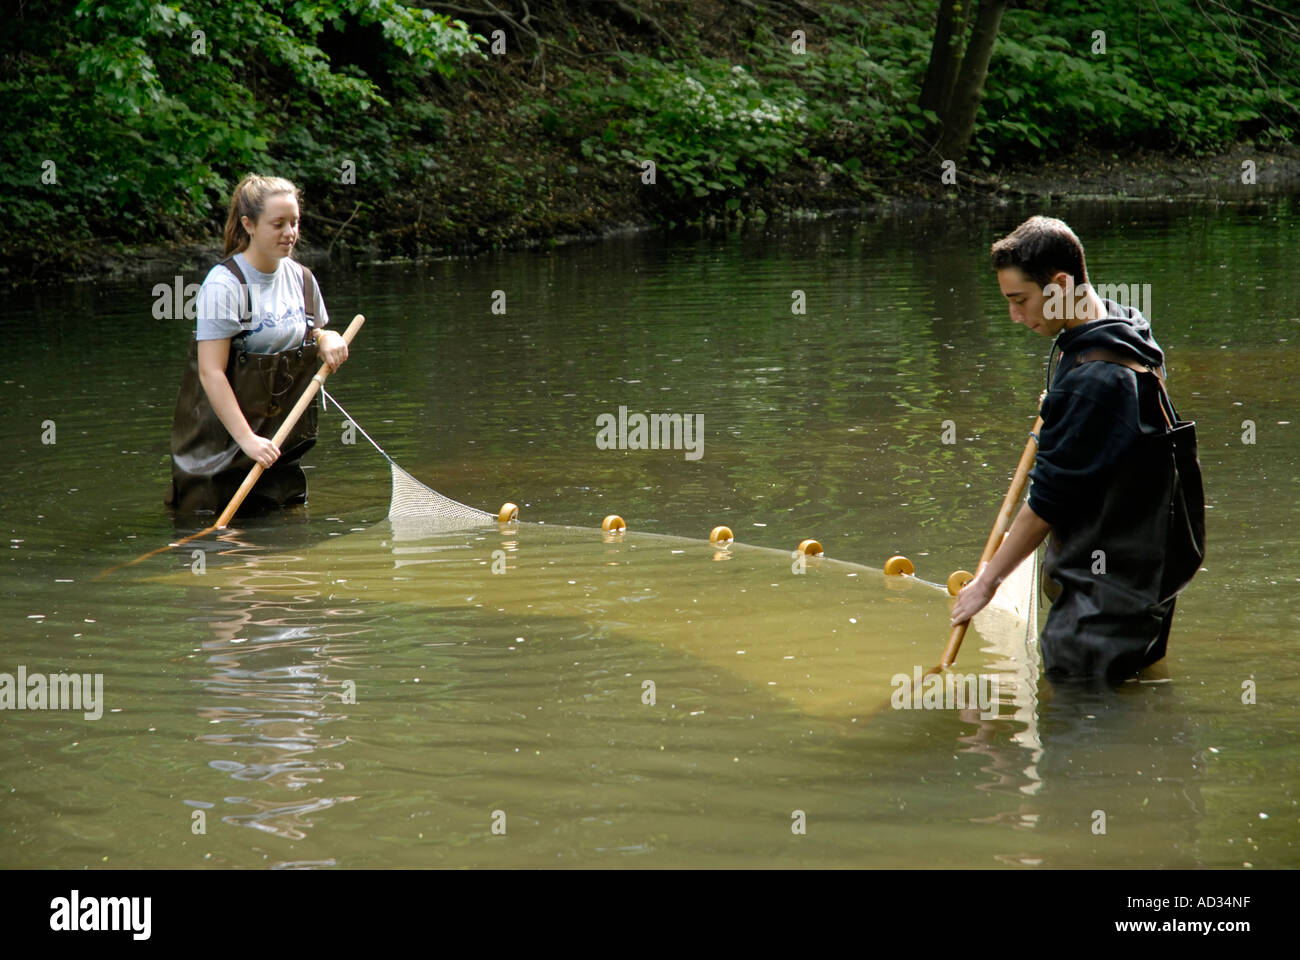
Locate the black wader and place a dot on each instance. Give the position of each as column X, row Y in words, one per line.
column 1114, row 570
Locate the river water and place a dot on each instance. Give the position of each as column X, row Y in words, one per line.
column 312, row 690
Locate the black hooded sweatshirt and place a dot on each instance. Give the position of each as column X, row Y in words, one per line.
column 1093, row 482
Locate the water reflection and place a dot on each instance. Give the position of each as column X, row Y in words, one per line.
column 1106, row 776
column 1114, row 779
column 823, row 427
column 278, row 679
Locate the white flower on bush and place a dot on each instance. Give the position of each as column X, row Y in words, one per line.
column 727, row 105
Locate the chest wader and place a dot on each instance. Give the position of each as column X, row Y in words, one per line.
column 1114, row 570
column 207, row 464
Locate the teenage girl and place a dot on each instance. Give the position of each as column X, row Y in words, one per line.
column 259, row 339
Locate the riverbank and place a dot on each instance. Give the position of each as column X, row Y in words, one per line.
column 589, row 121
column 1095, row 175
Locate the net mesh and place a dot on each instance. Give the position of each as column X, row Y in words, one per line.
column 414, row 508
column 413, row 503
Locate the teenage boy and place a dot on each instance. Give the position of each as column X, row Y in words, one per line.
column 1092, row 487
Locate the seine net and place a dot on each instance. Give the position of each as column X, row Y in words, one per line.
column 414, row 508
column 417, row 511
column 412, row 502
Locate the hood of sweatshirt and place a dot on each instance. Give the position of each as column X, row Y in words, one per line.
column 1123, row 330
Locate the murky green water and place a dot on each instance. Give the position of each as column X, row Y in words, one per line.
column 228, row 695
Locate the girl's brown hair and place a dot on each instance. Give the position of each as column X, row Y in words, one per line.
column 249, row 200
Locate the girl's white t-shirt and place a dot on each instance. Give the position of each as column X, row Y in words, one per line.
column 278, row 321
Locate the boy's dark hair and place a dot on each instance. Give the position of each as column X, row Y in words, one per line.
column 1041, row 247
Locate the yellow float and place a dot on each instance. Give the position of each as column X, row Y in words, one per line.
column 958, row 579
column 897, row 566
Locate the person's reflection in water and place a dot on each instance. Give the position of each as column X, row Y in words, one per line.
column 1114, row 780
column 1130, row 755
column 272, row 696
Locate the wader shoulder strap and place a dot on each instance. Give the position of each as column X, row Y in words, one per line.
column 1110, row 356
column 308, row 295
column 308, row 291
column 230, row 264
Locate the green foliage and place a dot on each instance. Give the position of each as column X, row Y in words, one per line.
column 149, row 111
column 862, row 81
column 1188, row 75
column 846, row 106
column 1175, row 74
column 710, row 127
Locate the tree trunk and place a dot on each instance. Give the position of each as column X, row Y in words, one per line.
column 959, row 119
column 963, row 9
column 945, row 58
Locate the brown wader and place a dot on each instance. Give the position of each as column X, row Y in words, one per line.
column 207, row 464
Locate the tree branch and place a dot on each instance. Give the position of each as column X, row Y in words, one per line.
column 338, row 233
